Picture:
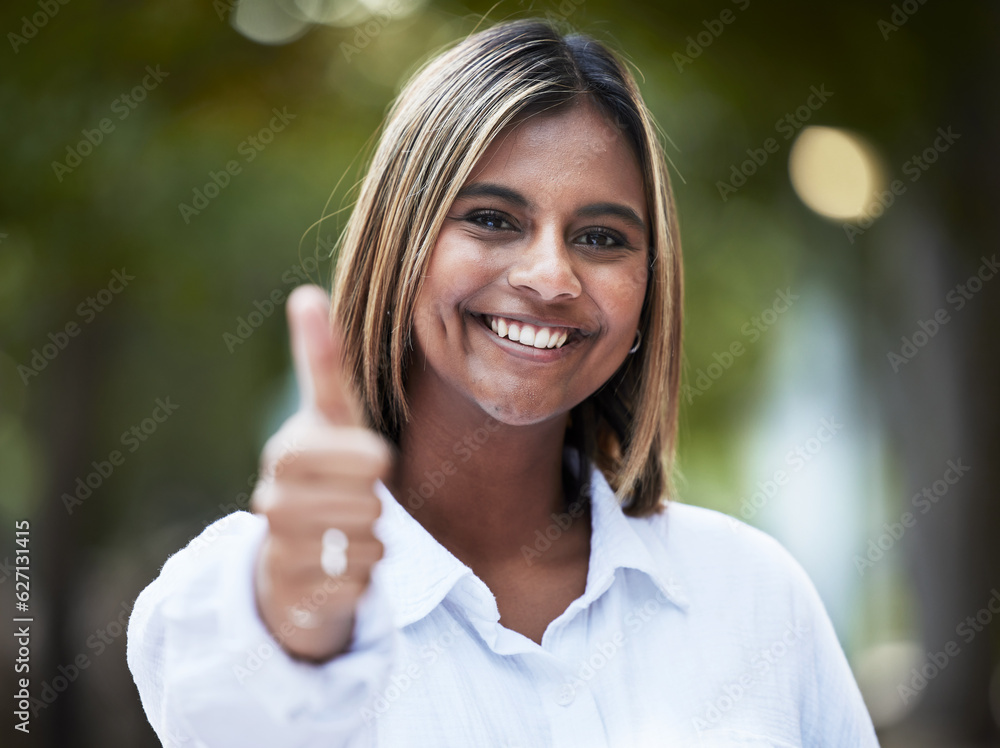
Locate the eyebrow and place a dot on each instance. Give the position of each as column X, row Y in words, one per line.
column 628, row 215
column 489, row 189
column 594, row 210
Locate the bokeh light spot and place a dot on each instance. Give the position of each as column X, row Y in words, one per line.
column 834, row 172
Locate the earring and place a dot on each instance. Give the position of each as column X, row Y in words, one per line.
column 638, row 342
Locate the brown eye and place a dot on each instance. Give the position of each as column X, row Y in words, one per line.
column 601, row 238
column 491, row 220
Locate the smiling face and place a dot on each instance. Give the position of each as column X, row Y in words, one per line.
column 533, row 291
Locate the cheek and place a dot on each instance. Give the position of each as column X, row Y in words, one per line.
column 439, row 282
column 640, row 280
column 458, row 265
column 453, row 276
column 625, row 291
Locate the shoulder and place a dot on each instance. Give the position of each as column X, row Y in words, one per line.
column 234, row 525
column 751, row 607
column 689, row 532
column 722, row 561
column 201, row 566
column 219, row 538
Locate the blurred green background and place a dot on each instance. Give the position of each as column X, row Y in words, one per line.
column 840, row 375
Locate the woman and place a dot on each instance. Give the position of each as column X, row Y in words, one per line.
column 496, row 405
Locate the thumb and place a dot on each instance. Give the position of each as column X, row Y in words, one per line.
column 316, row 351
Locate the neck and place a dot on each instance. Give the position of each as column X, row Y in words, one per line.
column 480, row 487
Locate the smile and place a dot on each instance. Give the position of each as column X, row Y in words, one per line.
column 528, row 335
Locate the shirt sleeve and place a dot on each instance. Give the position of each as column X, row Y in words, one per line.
column 209, row 673
column 833, row 713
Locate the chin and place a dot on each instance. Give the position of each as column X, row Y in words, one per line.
column 523, row 414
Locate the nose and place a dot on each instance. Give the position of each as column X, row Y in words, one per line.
column 545, row 267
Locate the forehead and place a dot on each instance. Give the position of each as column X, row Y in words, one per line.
column 576, row 147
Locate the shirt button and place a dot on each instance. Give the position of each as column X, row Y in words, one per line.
column 565, row 695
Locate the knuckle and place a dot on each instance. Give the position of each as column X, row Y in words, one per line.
column 262, row 498
column 375, row 451
column 293, row 567
column 372, row 510
column 283, row 517
column 361, row 521
column 368, row 552
column 281, row 450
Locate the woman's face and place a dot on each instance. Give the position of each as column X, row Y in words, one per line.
column 535, row 285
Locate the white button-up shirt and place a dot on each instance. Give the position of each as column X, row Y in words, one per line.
column 694, row 630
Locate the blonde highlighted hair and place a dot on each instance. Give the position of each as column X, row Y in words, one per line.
column 434, row 134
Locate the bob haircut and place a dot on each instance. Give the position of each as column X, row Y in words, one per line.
column 436, row 130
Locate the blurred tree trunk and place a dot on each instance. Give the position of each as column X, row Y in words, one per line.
column 69, row 414
column 948, row 407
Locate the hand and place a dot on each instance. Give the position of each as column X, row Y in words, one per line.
column 317, row 472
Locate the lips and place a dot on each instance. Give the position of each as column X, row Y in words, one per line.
column 528, row 334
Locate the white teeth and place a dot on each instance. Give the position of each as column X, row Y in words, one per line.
column 529, row 335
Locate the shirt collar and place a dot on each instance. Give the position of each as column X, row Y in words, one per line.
column 621, row 542
column 418, row 572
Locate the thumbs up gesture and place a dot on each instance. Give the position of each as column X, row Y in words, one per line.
column 317, row 492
